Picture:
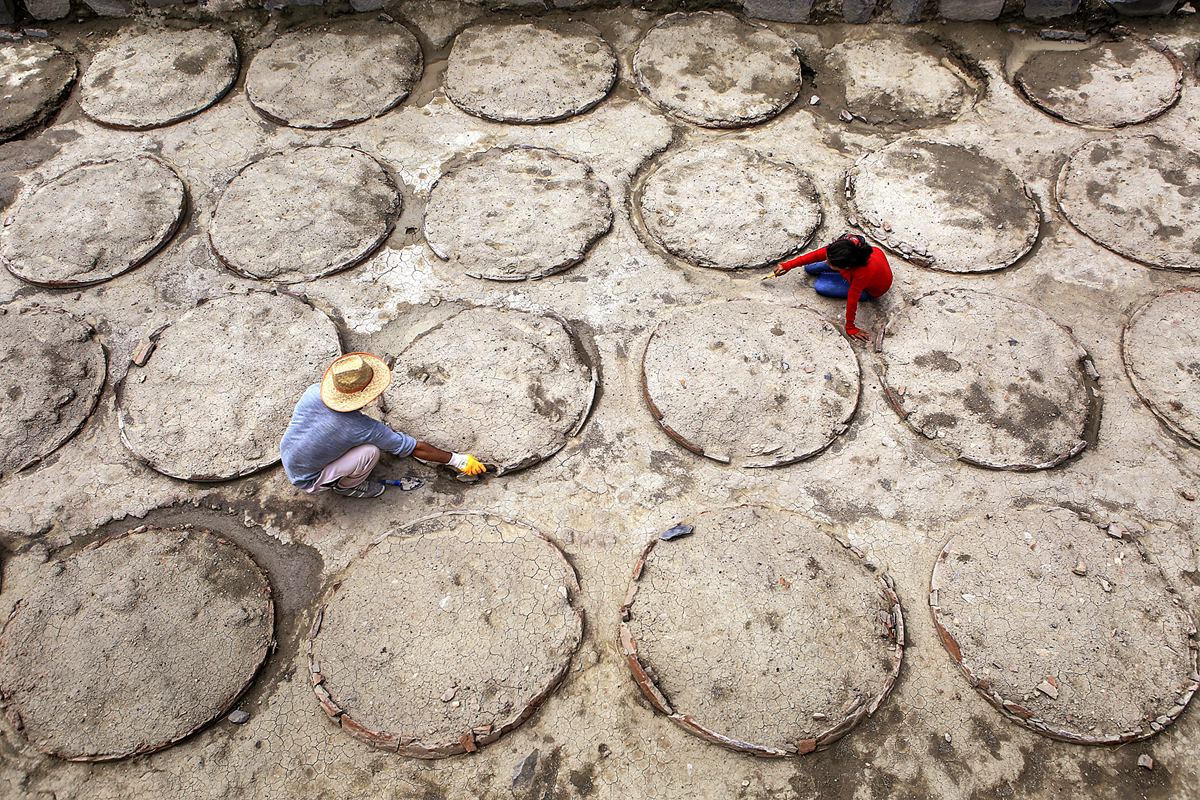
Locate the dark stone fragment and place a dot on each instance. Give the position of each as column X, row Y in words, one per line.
column 239, row 717
column 1045, row 9
column 1141, row 8
column 7, row 16
column 523, row 773
column 676, row 532
column 1063, row 36
column 779, row 10
column 857, row 11
column 908, row 11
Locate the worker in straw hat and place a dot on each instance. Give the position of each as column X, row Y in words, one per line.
column 330, row 444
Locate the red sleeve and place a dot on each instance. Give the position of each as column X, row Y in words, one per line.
column 807, row 258
column 858, row 281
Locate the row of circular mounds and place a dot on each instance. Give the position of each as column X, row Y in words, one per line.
column 752, row 628
column 341, row 72
column 775, row 384
column 316, row 210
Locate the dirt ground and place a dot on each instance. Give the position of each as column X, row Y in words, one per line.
column 881, row 487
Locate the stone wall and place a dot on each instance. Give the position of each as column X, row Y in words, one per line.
column 1063, row 12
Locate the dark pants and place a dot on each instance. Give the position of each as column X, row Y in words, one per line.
column 830, row 283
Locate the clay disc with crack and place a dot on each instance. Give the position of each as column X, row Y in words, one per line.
column 1065, row 630
column 890, row 78
column 727, row 206
column 508, row 214
column 51, row 373
column 540, row 72
column 93, row 222
column 506, row 386
column 335, row 74
column 755, row 383
column 36, row 77
column 1136, row 196
column 717, row 71
column 445, row 634
column 996, row 380
column 217, row 393
column 304, row 214
column 1109, row 85
column 131, row 644
column 1161, row 349
column 943, row 206
column 151, row 79
column 762, row 633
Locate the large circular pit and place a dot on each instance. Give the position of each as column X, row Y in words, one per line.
column 36, row 77
column 760, row 632
column 998, row 381
column 756, row 383
column 51, row 373
column 217, row 389
column 445, row 634
column 727, row 206
column 133, row 643
column 509, row 387
column 1064, row 629
column 1161, row 349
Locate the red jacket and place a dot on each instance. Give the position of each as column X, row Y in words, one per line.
column 875, row 277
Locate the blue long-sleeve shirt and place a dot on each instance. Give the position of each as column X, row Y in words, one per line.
column 318, row 436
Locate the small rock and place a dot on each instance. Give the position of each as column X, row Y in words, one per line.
column 239, row 717
column 385, row 18
column 1186, row 8
column 1047, row 689
column 1115, row 531
column 845, row 116
column 818, row 715
column 448, row 695
column 1105, row 585
column 814, row 101
column 1080, row 568
column 523, row 773
column 946, row 737
column 1063, row 36
column 1145, row 761
column 1189, row 496
column 675, row 533
column 852, row 221
column 37, row 33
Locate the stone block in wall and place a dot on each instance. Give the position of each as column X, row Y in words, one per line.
column 111, row 8
column 858, row 11
column 779, row 10
column 7, row 13
column 1142, row 8
column 970, row 10
column 908, row 11
column 1046, row 9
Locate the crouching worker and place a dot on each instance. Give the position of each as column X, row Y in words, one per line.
column 848, row 267
column 330, row 444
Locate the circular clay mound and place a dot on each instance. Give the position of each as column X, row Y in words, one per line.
column 335, row 74
column 1106, row 86
column 93, row 222
column 726, row 206
column 135, row 642
column 1136, row 196
column 714, row 70
column 761, row 632
column 147, row 80
column 539, row 72
column 996, row 380
column 889, row 78
column 759, row 383
column 445, row 634
column 304, row 214
column 1161, row 349
column 1065, row 630
column 218, row 388
column 506, row 386
column 36, row 76
column 51, row 373
column 508, row 214
column 943, row 206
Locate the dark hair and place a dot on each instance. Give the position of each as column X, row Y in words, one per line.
column 847, row 252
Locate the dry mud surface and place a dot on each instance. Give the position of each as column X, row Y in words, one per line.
column 1161, row 349
column 134, row 642
column 148, row 79
column 445, row 634
column 530, row 73
column 808, row 650
column 895, row 495
column 93, row 222
column 334, row 75
column 750, row 383
column 36, row 77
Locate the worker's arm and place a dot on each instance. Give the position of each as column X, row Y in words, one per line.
column 801, row 261
column 466, row 464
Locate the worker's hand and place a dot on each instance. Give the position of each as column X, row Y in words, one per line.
column 466, row 464
column 855, row 333
column 779, row 270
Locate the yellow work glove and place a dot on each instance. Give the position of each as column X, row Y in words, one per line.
column 466, row 464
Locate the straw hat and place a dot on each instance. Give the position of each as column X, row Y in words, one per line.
column 354, row 380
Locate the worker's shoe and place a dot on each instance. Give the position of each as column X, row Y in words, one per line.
column 364, row 490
